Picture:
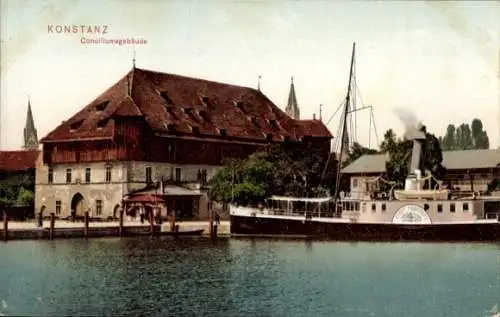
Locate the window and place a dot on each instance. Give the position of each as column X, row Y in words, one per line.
column 171, row 127
column 255, row 122
column 354, row 182
column 196, row 130
column 51, row 175
column 383, row 207
column 204, row 115
column 465, row 207
column 58, row 207
column 108, row 174
column 269, row 137
column 76, row 125
column 165, row 97
column 149, row 175
column 440, row 208
column 68, row 175
column 374, row 207
column 178, row 174
column 273, row 123
column 223, row 132
column 356, row 206
column 98, row 207
column 426, row 207
column 102, row 123
column 102, row 106
column 452, row 207
column 87, row 175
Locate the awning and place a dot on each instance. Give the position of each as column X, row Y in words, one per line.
column 145, row 198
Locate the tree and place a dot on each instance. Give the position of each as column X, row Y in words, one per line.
column 479, row 136
column 494, row 185
column 397, row 167
column 8, row 194
column 356, row 151
column 25, row 197
column 389, row 141
column 465, row 137
column 277, row 170
column 448, row 142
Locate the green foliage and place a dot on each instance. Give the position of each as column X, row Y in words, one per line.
column 465, row 137
column 400, row 151
column 8, row 194
column 278, row 170
column 389, row 142
column 356, row 151
column 25, row 197
column 494, row 185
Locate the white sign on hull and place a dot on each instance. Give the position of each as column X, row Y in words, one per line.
column 411, row 214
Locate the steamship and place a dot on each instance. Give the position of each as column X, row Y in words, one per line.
column 411, row 214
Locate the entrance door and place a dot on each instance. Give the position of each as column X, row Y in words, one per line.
column 77, row 205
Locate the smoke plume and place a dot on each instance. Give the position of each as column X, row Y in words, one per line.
column 413, row 127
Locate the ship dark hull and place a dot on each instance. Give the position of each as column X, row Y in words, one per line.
column 245, row 225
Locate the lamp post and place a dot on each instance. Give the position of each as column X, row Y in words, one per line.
column 40, row 213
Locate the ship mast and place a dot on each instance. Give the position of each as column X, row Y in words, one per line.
column 344, row 126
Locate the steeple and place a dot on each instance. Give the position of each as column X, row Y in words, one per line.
column 292, row 108
column 30, row 133
column 133, row 60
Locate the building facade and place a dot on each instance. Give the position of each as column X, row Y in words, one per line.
column 150, row 128
column 17, row 174
column 467, row 170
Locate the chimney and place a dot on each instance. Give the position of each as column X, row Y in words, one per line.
column 414, row 174
column 314, row 116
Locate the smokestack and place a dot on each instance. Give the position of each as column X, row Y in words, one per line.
column 414, row 174
column 314, row 116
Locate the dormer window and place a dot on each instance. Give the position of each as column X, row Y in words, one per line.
column 171, row 127
column 76, row 125
column 222, row 132
column 273, row 124
column 195, row 129
column 238, row 103
column 205, row 100
column 102, row 106
column 269, row 136
column 102, row 123
column 166, row 97
column 170, row 111
column 254, row 121
column 204, row 115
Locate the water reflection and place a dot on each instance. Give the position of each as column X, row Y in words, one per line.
column 161, row 276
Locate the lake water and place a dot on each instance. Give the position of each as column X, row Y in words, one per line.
column 244, row 277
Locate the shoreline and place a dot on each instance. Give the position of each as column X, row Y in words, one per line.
column 18, row 230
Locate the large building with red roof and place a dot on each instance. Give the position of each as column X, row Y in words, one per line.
column 153, row 126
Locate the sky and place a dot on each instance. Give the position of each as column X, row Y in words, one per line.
column 438, row 60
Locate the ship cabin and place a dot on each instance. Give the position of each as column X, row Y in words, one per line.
column 295, row 206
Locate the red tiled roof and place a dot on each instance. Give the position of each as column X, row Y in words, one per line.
column 314, row 128
column 190, row 106
column 18, row 160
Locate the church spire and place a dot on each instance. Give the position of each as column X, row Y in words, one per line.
column 292, row 108
column 30, row 133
